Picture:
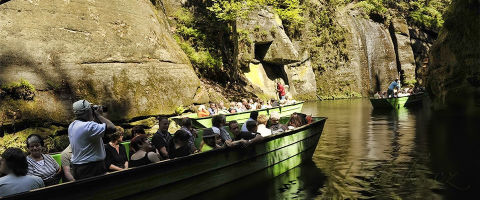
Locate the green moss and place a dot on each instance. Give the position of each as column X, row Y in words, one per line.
column 149, row 122
column 18, row 90
column 244, row 37
column 18, row 139
column 428, row 14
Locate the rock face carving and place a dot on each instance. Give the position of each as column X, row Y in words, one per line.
column 453, row 78
column 115, row 53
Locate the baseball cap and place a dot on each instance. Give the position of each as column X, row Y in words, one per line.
column 80, row 106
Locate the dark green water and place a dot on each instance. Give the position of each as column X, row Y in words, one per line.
column 367, row 154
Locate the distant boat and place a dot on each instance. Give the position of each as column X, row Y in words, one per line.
column 398, row 102
column 241, row 117
column 186, row 176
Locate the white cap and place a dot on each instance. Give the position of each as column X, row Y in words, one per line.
column 80, row 106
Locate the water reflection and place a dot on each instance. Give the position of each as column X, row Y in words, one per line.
column 299, row 183
column 370, row 154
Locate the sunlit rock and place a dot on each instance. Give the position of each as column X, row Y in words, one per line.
column 115, row 53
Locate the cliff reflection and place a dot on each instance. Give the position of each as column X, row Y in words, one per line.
column 368, row 153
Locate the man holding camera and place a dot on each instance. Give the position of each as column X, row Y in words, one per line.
column 85, row 135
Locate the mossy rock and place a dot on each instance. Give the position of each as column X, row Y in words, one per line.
column 18, row 139
column 147, row 123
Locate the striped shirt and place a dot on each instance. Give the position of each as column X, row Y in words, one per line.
column 45, row 170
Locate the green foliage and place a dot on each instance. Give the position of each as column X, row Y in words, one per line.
column 290, row 11
column 201, row 58
column 373, row 7
column 22, row 84
column 230, row 10
column 326, row 38
column 18, row 90
column 243, row 37
column 179, row 110
column 428, row 14
column 192, row 40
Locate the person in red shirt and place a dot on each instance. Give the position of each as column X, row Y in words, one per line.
column 281, row 91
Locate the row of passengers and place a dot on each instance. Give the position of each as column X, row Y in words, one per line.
column 87, row 155
column 243, row 106
column 178, row 147
column 251, row 131
column 182, row 143
column 272, row 126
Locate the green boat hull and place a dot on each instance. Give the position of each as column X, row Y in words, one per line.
column 186, row 176
column 206, row 122
column 397, row 102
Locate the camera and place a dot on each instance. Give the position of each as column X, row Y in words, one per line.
column 96, row 107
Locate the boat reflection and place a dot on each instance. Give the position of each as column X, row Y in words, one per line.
column 302, row 182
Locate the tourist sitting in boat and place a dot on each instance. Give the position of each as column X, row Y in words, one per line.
column 239, row 107
column 245, row 105
column 162, row 137
column 202, row 111
column 392, row 86
column 137, row 130
column 213, row 109
column 289, row 100
column 210, row 141
column 232, row 108
column 187, row 126
column 66, row 156
column 274, row 103
column 14, row 164
column 275, row 125
column 218, row 123
column 384, row 95
column 39, row 164
column 252, row 104
column 262, row 126
column 262, row 104
column 377, row 95
column 296, row 120
column 253, row 117
column 85, row 135
column 222, row 109
column 143, row 152
column 178, row 146
column 247, row 136
column 116, row 155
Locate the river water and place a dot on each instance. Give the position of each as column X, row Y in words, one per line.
column 368, row 154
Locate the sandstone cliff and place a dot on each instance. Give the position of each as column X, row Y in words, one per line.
column 453, row 78
column 115, row 53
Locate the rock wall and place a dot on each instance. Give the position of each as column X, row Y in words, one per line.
column 116, row 53
column 270, row 57
column 453, row 78
column 403, row 50
column 371, row 52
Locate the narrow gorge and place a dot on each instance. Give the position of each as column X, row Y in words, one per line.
column 148, row 58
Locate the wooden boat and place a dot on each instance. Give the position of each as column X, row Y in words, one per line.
column 186, row 176
column 397, row 102
column 241, row 117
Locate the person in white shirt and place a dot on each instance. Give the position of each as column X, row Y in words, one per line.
column 14, row 163
column 262, row 126
column 85, row 135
